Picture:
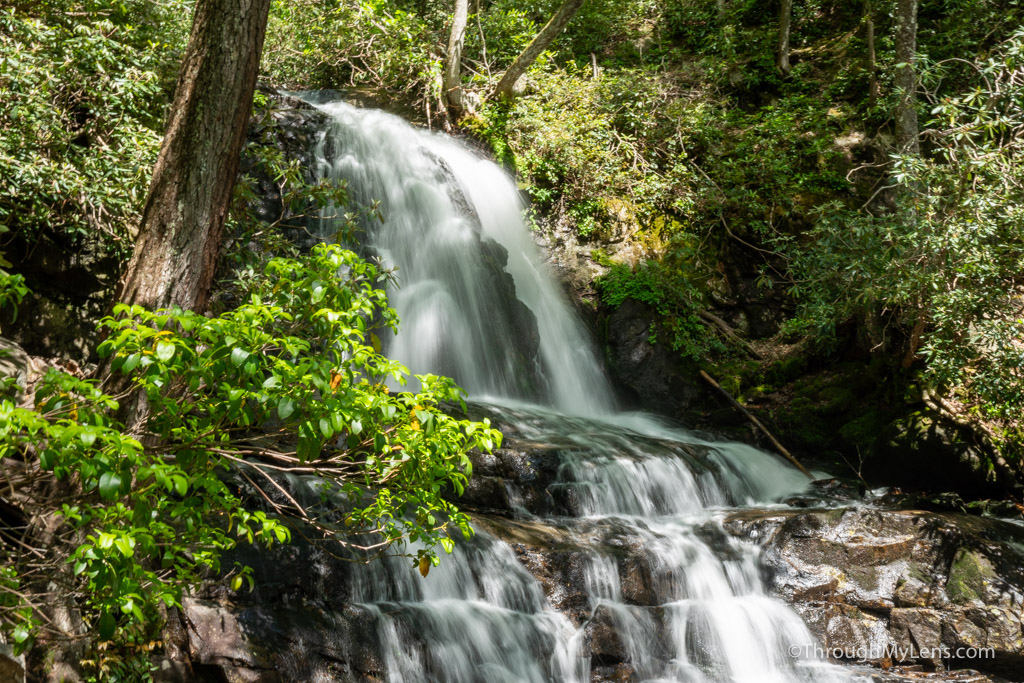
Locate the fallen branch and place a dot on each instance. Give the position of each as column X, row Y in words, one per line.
column 730, row 334
column 757, row 423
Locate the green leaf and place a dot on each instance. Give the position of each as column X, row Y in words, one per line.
column 238, row 356
column 126, row 545
column 131, row 362
column 285, row 408
column 110, row 484
column 106, row 626
column 165, row 351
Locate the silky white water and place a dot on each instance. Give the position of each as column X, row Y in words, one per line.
column 448, row 220
column 477, row 303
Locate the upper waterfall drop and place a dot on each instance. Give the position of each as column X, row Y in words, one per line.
column 475, row 299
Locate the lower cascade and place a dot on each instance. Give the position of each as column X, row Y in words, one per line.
column 641, row 581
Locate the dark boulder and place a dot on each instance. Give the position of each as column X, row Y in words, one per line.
column 924, row 450
column 652, row 376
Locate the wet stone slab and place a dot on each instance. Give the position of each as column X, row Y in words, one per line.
column 907, row 585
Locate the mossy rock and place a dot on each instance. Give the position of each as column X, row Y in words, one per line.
column 865, row 428
column 967, row 576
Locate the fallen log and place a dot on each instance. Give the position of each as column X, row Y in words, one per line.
column 757, row 423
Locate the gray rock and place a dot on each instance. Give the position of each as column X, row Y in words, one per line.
column 914, row 585
column 171, row 671
column 216, row 637
column 14, row 364
column 923, row 451
column 652, row 374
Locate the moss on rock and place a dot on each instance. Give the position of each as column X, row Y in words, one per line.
column 968, row 575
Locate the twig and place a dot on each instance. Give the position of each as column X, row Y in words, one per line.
column 724, row 328
column 757, row 423
column 301, row 510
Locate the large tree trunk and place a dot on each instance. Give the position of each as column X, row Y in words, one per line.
column 530, row 53
column 872, row 59
column 785, row 20
column 194, row 176
column 452, row 81
column 906, row 77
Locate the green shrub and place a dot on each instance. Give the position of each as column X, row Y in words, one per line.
column 84, row 89
column 676, row 301
column 942, row 272
column 292, row 378
column 320, row 45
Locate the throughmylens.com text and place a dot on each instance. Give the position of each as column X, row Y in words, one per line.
column 895, row 653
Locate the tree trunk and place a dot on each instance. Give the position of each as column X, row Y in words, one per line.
column 452, row 80
column 906, row 77
column 530, row 53
column 183, row 221
column 872, row 59
column 483, row 41
column 785, row 20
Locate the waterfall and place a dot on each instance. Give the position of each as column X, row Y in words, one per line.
column 452, row 224
column 669, row 595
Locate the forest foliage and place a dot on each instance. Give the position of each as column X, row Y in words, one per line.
column 132, row 484
column 676, row 115
column 671, row 112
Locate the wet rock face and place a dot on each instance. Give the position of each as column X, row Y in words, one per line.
column 519, row 317
column 650, row 373
column 12, row 667
column 291, row 127
column 298, row 623
column 71, row 281
column 922, row 450
column 912, row 586
column 513, row 477
column 900, row 586
column 15, row 364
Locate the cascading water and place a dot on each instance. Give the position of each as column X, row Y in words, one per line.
column 476, row 303
column 451, row 223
